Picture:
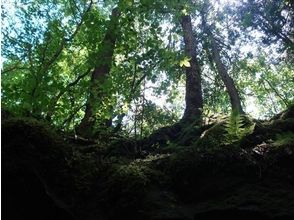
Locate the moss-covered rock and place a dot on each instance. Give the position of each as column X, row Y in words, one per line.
column 33, row 171
column 189, row 175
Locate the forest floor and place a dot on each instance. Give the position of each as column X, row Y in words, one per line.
column 180, row 172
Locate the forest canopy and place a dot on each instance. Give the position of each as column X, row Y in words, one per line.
column 138, row 65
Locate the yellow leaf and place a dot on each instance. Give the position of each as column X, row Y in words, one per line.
column 125, row 107
column 184, row 11
column 185, row 62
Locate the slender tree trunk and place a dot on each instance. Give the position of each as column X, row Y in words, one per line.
column 193, row 97
column 227, row 80
column 222, row 71
column 102, row 69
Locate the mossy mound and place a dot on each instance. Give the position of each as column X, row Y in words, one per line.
column 34, row 171
column 200, row 173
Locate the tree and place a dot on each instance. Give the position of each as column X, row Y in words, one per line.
column 35, row 55
column 71, row 64
column 214, row 50
column 273, row 18
column 193, row 97
column 102, row 69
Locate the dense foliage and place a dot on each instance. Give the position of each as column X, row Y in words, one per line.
column 51, row 48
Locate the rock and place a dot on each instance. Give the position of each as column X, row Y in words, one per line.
column 231, row 214
column 24, row 196
column 5, row 114
column 289, row 113
column 202, row 180
column 32, row 166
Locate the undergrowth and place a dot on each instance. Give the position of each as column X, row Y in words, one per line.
column 236, row 128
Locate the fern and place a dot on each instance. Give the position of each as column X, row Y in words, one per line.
column 283, row 139
column 235, row 128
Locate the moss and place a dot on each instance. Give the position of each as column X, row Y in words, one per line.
column 31, row 141
column 30, row 129
column 282, row 125
column 204, row 176
column 270, row 197
column 6, row 114
column 84, row 169
column 35, row 144
column 212, row 137
column 190, row 132
column 284, row 139
column 32, row 149
column 288, row 113
column 121, row 190
column 131, row 175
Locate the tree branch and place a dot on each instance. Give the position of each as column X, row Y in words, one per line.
column 72, row 115
column 15, row 67
column 66, row 40
column 62, row 92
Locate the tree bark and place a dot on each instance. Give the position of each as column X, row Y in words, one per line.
column 227, row 80
column 222, row 71
column 193, row 97
column 102, row 69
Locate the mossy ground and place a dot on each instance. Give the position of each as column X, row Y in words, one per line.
column 190, row 175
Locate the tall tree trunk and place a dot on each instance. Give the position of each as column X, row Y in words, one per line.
column 102, row 69
column 222, row 70
column 193, row 97
column 227, row 80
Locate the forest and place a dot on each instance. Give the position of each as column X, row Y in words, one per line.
column 147, row 109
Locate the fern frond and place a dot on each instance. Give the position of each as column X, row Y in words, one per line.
column 235, row 128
